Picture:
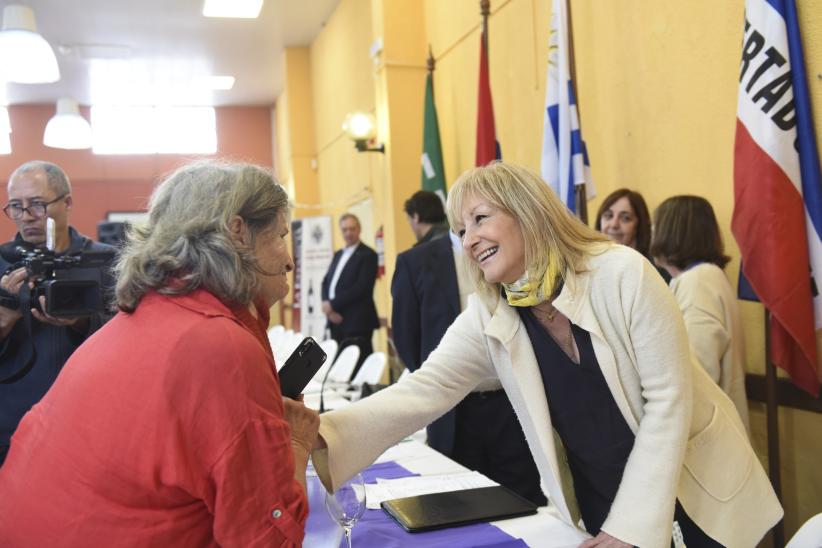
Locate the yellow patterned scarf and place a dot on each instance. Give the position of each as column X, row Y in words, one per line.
column 527, row 292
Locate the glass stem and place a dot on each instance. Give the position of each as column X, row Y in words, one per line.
column 348, row 535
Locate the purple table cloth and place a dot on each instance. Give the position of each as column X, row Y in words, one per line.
column 376, row 528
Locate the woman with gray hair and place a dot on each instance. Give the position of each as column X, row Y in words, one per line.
column 589, row 344
column 167, row 427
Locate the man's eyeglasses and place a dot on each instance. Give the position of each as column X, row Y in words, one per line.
column 35, row 209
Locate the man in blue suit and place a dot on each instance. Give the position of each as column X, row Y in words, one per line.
column 430, row 289
column 348, row 291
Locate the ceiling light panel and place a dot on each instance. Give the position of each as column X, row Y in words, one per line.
column 87, row 52
column 149, row 82
column 242, row 9
column 219, row 83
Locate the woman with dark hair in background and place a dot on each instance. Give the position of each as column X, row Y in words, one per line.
column 623, row 217
column 167, row 428
column 687, row 243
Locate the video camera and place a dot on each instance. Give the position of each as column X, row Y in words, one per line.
column 72, row 284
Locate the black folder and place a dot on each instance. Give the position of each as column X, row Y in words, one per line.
column 440, row 510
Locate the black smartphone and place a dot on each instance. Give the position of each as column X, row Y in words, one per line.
column 300, row 367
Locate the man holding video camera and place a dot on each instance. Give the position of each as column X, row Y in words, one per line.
column 36, row 336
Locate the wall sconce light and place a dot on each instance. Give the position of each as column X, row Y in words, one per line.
column 67, row 129
column 25, row 56
column 361, row 127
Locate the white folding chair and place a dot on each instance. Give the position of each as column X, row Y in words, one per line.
column 344, row 364
column 329, row 346
column 809, row 535
column 275, row 335
column 287, row 345
column 371, row 370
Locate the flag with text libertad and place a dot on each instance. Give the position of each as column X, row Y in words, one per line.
column 777, row 219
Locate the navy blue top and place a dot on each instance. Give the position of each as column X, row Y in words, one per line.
column 596, row 437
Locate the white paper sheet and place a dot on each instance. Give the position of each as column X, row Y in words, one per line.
column 422, row 485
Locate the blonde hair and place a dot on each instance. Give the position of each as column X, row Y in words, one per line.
column 187, row 243
column 548, row 228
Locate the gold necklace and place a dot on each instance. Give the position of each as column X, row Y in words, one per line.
column 567, row 345
column 568, row 348
column 546, row 316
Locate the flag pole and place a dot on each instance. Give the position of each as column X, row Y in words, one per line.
column 772, row 421
column 430, row 62
column 485, row 10
column 487, row 145
column 579, row 190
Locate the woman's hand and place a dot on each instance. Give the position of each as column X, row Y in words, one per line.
column 604, row 540
column 304, row 423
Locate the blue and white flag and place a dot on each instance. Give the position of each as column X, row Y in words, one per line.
column 564, row 159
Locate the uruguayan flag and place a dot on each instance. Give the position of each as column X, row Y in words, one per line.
column 564, row 160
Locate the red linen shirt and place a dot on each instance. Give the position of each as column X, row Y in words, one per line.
column 165, row 428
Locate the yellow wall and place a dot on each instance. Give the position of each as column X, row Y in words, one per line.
column 342, row 80
column 657, row 83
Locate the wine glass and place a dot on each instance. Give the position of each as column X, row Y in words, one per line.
column 347, row 504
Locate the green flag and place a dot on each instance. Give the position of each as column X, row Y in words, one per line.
column 433, row 172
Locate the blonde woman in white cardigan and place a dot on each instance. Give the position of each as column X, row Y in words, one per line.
column 587, row 341
column 687, row 243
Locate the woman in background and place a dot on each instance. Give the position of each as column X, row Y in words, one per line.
column 687, row 243
column 167, row 428
column 589, row 345
column 623, row 217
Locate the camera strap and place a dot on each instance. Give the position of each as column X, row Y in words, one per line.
column 30, row 356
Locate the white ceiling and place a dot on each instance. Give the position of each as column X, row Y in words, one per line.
column 166, row 44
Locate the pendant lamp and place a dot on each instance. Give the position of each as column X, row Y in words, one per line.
column 67, row 128
column 25, row 56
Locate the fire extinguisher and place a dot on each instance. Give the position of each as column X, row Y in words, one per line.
column 379, row 243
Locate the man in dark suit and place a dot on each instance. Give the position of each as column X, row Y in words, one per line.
column 348, row 291
column 426, row 216
column 430, row 289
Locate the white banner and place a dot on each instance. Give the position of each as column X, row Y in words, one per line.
column 313, row 251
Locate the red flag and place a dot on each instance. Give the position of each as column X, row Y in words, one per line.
column 487, row 147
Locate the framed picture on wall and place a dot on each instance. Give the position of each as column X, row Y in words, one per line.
column 134, row 218
column 112, row 231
